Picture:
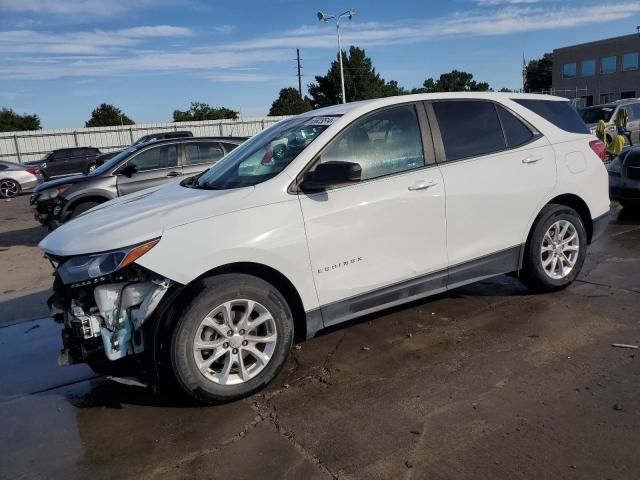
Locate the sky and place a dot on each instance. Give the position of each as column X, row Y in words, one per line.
column 62, row 58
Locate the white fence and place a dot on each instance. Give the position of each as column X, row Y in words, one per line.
column 33, row 145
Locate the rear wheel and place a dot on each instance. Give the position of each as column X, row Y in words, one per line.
column 232, row 339
column 9, row 188
column 556, row 249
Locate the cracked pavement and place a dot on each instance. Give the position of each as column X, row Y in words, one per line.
column 484, row 382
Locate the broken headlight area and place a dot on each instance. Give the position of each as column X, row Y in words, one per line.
column 103, row 304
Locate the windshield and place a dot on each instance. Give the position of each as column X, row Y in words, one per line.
column 265, row 155
column 112, row 162
column 595, row 114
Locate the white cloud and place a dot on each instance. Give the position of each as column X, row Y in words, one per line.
column 74, row 8
column 493, row 3
column 224, row 28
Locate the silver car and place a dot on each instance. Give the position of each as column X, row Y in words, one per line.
column 16, row 178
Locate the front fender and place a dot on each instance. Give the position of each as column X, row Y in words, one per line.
column 271, row 235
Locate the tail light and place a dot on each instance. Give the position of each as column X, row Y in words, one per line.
column 598, row 148
column 33, row 171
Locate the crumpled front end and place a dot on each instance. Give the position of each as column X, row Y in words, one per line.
column 103, row 317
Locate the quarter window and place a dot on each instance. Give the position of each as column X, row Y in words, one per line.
column 469, row 128
column 630, row 62
column 588, row 68
column 384, row 143
column 608, row 65
column 156, row 158
column 569, row 70
column 517, row 133
column 203, row 152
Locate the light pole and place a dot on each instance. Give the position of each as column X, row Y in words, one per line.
column 323, row 17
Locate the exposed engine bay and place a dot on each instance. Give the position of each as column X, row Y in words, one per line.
column 103, row 316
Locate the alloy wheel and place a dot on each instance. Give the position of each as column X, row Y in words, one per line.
column 9, row 189
column 235, row 342
column 560, row 249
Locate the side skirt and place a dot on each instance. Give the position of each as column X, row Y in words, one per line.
column 505, row 261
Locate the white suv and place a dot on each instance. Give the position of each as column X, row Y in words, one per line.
column 321, row 218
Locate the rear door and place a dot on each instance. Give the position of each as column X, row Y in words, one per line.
column 200, row 155
column 497, row 169
column 150, row 167
column 57, row 163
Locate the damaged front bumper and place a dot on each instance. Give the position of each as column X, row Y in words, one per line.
column 103, row 319
column 49, row 213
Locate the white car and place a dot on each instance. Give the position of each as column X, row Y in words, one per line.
column 321, row 218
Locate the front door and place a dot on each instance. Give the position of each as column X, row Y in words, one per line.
column 633, row 124
column 150, row 167
column 380, row 240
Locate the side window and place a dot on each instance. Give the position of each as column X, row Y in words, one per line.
column 155, row 158
column 634, row 112
column 229, row 146
column 203, row 152
column 517, row 133
column 469, row 128
column 3, row 166
column 384, row 143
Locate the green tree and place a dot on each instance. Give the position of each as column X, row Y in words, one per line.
column 507, row 90
column 289, row 102
column 202, row 111
column 454, row 81
column 107, row 115
column 10, row 121
column 361, row 81
column 539, row 73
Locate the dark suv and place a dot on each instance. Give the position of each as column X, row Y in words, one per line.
column 135, row 168
column 67, row 161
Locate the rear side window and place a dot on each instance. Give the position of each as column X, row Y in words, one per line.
column 469, row 128
column 517, row 133
column 561, row 114
column 203, row 152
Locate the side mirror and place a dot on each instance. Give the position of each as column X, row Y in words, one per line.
column 128, row 170
column 329, row 174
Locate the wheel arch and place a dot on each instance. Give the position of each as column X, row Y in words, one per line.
column 74, row 202
column 579, row 205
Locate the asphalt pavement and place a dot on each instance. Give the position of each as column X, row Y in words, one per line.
column 484, row 382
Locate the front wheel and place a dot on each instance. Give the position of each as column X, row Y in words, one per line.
column 556, row 249
column 232, row 339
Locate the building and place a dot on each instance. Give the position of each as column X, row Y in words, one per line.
column 598, row 72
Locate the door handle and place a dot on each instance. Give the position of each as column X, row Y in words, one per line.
column 423, row 185
column 172, row 174
column 531, row 159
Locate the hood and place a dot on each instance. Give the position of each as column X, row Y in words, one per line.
column 62, row 181
column 140, row 217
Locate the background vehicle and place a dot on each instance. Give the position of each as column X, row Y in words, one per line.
column 67, row 161
column 146, row 139
column 135, row 168
column 16, row 178
column 324, row 217
column 608, row 113
column 624, row 178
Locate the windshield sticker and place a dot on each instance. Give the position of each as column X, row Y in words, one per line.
column 321, row 121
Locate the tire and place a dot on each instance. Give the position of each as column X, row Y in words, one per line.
column 539, row 272
column 91, row 167
column 9, row 188
column 204, row 319
column 81, row 208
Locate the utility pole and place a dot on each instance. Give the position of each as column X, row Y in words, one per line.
column 299, row 74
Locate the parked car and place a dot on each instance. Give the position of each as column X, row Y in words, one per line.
column 162, row 136
column 624, row 178
column 67, row 161
column 146, row 139
column 321, row 218
column 608, row 113
column 135, row 168
column 16, row 178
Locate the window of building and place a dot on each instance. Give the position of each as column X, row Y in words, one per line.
column 630, row 62
column 569, row 70
column 629, row 94
column 588, row 68
column 606, row 98
column 478, row 124
column 383, row 143
column 608, row 65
